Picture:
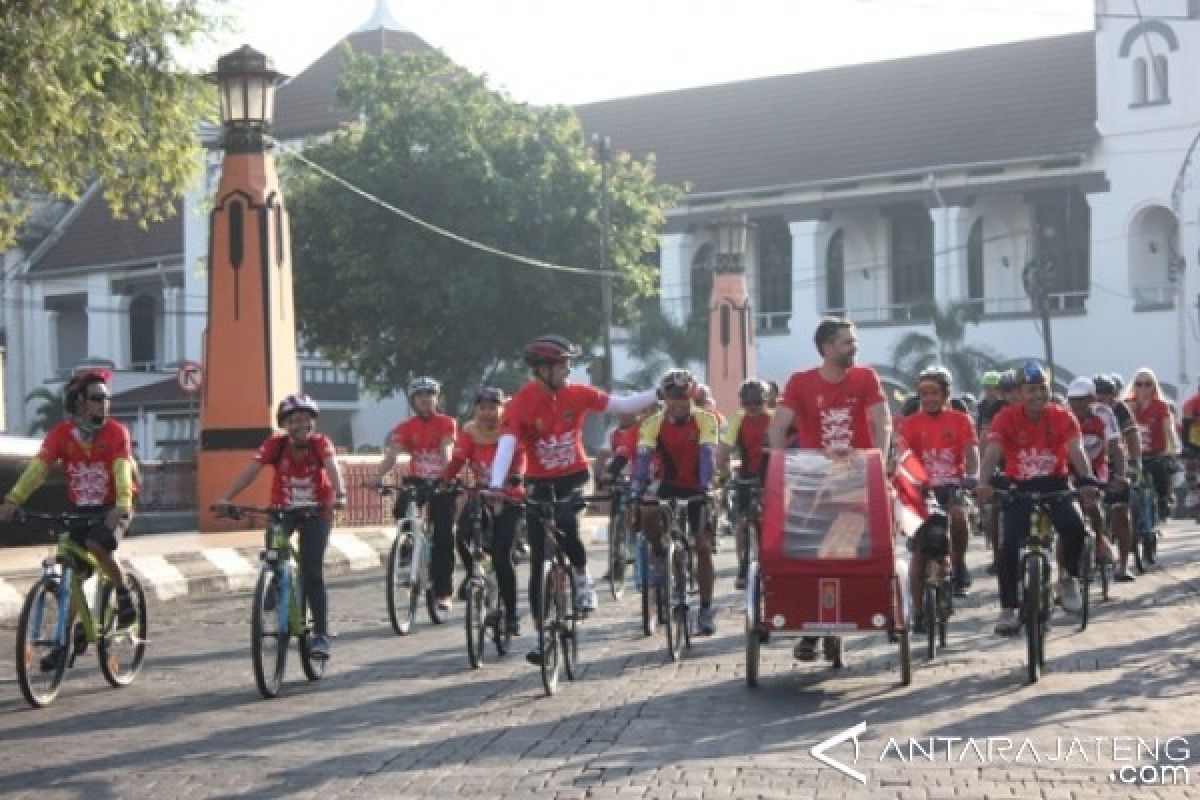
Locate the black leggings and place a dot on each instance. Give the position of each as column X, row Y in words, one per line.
column 314, row 538
column 504, row 529
column 1064, row 516
column 567, row 520
column 441, row 513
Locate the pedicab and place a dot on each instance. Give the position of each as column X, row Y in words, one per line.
column 826, row 561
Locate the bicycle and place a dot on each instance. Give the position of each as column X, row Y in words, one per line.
column 485, row 614
column 677, row 574
column 280, row 611
column 558, row 620
column 409, row 559
column 1036, row 599
column 48, row 642
column 933, row 542
column 1144, row 515
column 618, row 535
column 748, row 552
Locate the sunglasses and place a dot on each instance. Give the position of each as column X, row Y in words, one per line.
column 98, row 398
column 1144, row 384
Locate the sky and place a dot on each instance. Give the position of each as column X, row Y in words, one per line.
column 572, row 52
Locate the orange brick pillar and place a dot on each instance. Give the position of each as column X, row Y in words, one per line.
column 250, row 341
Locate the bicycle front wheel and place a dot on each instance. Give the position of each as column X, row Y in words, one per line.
column 1032, row 611
column 268, row 644
column 1087, row 562
column 568, row 629
column 666, row 599
column 37, row 647
column 682, row 611
column 121, row 650
column 930, row 617
column 400, row 589
column 475, row 623
column 548, row 628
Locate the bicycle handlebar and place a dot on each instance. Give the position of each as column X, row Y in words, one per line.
column 22, row 516
column 232, row 511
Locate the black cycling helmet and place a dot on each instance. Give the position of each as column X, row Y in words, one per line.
column 937, row 374
column 1104, row 384
column 1008, row 380
column 491, row 394
column 753, row 393
column 549, row 348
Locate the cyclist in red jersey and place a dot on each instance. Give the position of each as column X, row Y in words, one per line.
column 306, row 473
column 1037, row 439
column 1160, row 442
column 945, row 441
column 835, row 406
column 1102, row 443
column 1189, row 421
column 546, row 416
column 474, row 452
column 95, row 454
column 746, row 435
column 428, row 439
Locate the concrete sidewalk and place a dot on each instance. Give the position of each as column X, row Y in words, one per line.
column 178, row 564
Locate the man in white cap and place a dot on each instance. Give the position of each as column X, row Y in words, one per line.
column 1101, row 442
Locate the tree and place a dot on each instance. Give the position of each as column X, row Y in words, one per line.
column 49, row 413
column 662, row 344
column 915, row 351
column 92, row 91
column 437, row 142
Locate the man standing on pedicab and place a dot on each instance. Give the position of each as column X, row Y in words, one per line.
column 835, row 407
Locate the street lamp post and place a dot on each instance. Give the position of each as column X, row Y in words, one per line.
column 602, row 146
column 1036, row 277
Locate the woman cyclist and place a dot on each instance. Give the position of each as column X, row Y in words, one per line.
column 306, row 473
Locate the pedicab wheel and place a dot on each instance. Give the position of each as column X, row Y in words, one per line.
column 753, row 625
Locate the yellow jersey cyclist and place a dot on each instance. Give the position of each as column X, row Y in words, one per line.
column 746, row 435
column 684, row 437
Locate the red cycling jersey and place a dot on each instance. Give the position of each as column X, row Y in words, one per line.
column 1095, row 433
column 549, row 423
column 832, row 414
column 300, row 477
column 1034, row 449
column 748, row 436
column 624, row 442
column 422, row 438
column 477, row 455
column 941, row 442
column 1151, row 424
column 88, row 468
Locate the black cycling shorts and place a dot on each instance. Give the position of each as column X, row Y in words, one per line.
column 83, row 532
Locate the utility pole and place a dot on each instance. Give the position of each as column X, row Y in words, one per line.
column 1036, row 278
column 602, row 147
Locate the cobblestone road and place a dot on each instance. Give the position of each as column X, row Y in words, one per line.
column 405, row 717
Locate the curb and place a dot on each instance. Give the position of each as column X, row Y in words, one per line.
column 223, row 569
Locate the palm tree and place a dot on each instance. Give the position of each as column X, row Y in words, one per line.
column 914, row 351
column 49, row 413
column 659, row 343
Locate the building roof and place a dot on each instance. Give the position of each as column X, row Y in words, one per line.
column 154, row 395
column 305, row 105
column 91, row 237
column 1006, row 102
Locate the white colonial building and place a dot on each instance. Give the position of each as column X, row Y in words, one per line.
column 875, row 190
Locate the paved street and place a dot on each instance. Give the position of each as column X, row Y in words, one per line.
column 406, row 717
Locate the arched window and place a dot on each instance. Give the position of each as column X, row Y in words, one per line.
column 1140, row 92
column 1160, row 79
column 702, row 282
column 774, row 274
column 975, row 261
column 143, row 350
column 835, row 273
column 911, row 240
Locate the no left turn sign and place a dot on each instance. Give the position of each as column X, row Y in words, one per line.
column 190, row 376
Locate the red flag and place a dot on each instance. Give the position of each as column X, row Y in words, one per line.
column 907, row 480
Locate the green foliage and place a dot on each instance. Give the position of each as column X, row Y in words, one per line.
column 914, row 351
column 49, row 413
column 437, row 142
column 92, row 91
column 661, row 344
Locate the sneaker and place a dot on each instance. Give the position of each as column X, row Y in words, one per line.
column 1123, row 576
column 706, row 622
column 585, row 592
column 806, row 649
column 1069, row 590
column 1008, row 624
column 319, row 647
column 740, row 581
column 126, row 613
column 444, row 604
column 53, row 660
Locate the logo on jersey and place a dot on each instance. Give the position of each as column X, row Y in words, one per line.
column 556, row 451
column 837, row 427
column 88, row 482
